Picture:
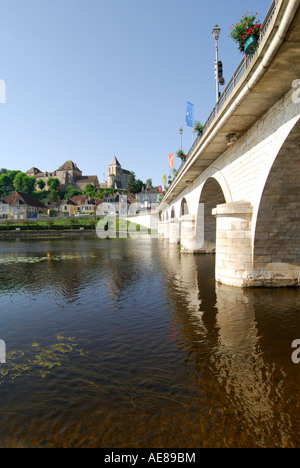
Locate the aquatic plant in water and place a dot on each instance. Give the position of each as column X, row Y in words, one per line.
column 37, row 360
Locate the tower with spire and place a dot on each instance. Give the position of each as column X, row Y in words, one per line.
column 117, row 178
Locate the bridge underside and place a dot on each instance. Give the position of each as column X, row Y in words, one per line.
column 243, row 202
column 254, row 246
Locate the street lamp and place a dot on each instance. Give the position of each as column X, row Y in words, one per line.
column 181, row 132
column 216, row 34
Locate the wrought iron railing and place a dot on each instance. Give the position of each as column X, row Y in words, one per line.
column 238, row 74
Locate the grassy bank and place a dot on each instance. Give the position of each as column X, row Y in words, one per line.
column 49, row 224
column 63, row 224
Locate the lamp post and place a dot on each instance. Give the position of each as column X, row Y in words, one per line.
column 216, row 34
column 181, row 132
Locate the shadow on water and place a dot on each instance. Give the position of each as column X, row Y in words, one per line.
column 238, row 346
column 161, row 355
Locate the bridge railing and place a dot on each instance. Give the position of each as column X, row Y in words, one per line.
column 238, row 74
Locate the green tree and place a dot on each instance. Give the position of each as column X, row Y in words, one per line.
column 12, row 175
column 149, row 183
column 99, row 194
column 53, row 195
column 4, row 184
column 23, row 183
column 43, row 196
column 53, row 183
column 131, row 182
column 134, row 186
column 71, row 192
column 90, row 190
column 139, row 186
column 41, row 184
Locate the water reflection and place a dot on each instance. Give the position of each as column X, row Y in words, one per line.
column 168, row 358
column 247, row 390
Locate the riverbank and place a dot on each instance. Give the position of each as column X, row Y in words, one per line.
column 70, row 228
column 63, row 225
column 51, row 234
column 50, row 224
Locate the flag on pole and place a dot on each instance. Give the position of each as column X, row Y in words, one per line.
column 189, row 118
column 171, row 160
column 164, row 179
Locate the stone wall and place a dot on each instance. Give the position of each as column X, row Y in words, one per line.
column 260, row 173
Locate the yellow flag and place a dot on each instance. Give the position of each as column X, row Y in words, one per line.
column 164, row 179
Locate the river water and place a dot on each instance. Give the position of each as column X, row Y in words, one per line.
column 129, row 343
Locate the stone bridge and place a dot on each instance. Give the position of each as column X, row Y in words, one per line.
column 238, row 193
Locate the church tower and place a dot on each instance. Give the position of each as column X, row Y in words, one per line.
column 114, row 173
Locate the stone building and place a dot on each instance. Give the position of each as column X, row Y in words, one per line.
column 20, row 206
column 79, row 204
column 69, row 175
column 117, row 178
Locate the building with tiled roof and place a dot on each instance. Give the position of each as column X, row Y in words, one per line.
column 21, row 206
column 69, row 175
column 79, row 204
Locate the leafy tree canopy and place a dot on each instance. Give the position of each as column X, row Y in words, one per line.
column 134, row 186
column 41, row 184
column 53, row 184
column 23, row 183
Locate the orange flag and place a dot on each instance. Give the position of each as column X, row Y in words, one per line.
column 171, row 160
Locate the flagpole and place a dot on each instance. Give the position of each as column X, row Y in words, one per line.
column 193, row 124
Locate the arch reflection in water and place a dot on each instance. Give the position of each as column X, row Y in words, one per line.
column 169, row 358
column 242, row 398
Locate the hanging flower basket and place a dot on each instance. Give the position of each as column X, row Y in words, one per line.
column 180, row 154
column 246, row 33
column 250, row 45
column 198, row 128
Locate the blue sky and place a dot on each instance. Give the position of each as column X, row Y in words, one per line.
column 88, row 80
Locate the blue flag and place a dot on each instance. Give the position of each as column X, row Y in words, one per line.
column 189, row 118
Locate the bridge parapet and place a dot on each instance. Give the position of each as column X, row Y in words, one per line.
column 258, row 83
column 253, row 186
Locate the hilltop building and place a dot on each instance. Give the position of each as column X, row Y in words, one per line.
column 69, row 175
column 117, row 178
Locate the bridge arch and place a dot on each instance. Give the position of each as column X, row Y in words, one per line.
column 217, row 174
column 184, row 208
column 211, row 195
column 276, row 247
